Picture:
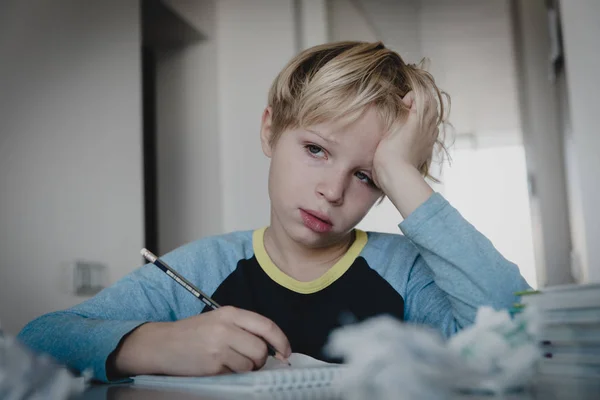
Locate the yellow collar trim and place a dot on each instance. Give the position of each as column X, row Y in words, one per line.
column 333, row 274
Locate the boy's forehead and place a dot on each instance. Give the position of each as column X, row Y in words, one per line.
column 325, row 133
column 368, row 124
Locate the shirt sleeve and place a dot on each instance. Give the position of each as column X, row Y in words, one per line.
column 457, row 269
column 84, row 336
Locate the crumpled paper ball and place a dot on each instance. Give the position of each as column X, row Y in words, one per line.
column 389, row 359
column 502, row 350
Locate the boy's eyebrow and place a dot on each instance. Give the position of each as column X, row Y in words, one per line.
column 319, row 134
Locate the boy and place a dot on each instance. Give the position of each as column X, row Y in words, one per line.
column 346, row 123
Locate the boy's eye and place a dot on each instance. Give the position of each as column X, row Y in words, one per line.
column 315, row 150
column 364, row 178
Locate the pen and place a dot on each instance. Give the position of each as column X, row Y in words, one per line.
column 198, row 293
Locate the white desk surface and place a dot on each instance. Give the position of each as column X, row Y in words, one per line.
column 553, row 389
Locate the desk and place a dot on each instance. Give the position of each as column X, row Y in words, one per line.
column 555, row 389
column 128, row 392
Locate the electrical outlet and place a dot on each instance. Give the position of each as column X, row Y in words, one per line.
column 89, row 278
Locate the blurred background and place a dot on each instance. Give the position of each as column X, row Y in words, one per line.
column 135, row 123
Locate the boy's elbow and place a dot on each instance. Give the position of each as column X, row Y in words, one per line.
column 35, row 334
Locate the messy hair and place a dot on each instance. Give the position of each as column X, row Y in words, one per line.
column 339, row 80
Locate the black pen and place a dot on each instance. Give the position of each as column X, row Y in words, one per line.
column 189, row 286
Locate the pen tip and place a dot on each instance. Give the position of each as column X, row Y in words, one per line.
column 281, row 358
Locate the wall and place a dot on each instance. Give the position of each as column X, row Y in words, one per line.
column 580, row 37
column 396, row 23
column 346, row 22
column 578, row 256
column 311, row 20
column 70, row 148
column 543, row 142
column 471, row 51
column 188, row 156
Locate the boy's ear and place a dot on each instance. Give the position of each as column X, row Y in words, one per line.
column 266, row 132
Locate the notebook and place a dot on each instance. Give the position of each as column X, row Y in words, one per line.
column 305, row 374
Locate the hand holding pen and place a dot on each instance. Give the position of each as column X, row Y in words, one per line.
column 239, row 339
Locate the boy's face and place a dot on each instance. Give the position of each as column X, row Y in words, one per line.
column 320, row 178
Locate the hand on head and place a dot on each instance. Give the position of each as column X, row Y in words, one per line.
column 411, row 143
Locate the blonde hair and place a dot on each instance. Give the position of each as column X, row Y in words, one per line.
column 339, row 80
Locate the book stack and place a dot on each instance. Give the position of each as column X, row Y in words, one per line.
column 569, row 337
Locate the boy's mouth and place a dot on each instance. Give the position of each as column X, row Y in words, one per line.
column 316, row 221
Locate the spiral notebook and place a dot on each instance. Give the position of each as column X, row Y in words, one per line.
column 304, row 374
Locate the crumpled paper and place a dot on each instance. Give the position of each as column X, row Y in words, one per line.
column 388, row 359
column 503, row 351
column 25, row 375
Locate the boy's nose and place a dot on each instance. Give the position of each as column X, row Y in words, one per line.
column 332, row 188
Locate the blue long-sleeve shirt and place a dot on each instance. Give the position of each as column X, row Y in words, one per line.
column 438, row 273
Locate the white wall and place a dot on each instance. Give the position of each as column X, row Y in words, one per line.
column 578, row 256
column 312, row 23
column 346, row 22
column 255, row 40
column 581, row 31
column 396, row 23
column 188, row 156
column 470, row 46
column 543, row 142
column 70, row 148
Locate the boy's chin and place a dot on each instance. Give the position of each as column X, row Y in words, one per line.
column 311, row 239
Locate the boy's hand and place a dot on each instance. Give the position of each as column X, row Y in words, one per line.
column 408, row 145
column 401, row 155
column 221, row 341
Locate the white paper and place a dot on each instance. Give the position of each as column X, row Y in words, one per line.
column 297, row 360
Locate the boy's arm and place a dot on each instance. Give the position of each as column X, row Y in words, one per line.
column 77, row 341
column 457, row 271
column 85, row 335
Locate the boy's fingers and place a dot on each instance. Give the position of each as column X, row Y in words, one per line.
column 248, row 345
column 431, row 111
column 260, row 326
column 237, row 362
column 224, row 370
column 408, row 99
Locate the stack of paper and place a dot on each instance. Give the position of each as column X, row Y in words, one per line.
column 569, row 334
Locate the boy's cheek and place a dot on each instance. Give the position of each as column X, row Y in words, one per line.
column 362, row 200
